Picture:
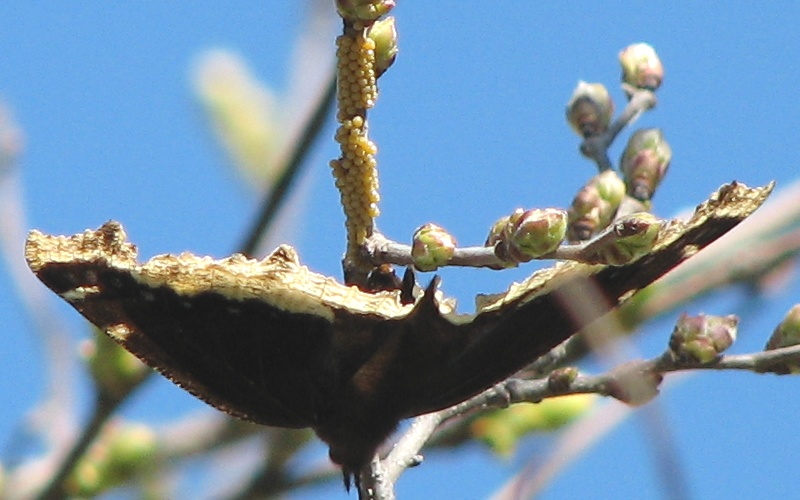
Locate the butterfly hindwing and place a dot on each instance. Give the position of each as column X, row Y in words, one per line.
column 536, row 315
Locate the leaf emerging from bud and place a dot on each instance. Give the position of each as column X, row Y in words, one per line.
column 243, row 112
column 590, row 109
column 363, row 10
column 702, row 338
column 384, row 34
column 595, row 205
column 641, row 66
column 644, row 162
column 786, row 334
column 120, row 452
column 502, row 429
column 115, row 371
column 432, row 247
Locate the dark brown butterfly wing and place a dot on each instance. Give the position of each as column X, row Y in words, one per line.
column 271, row 342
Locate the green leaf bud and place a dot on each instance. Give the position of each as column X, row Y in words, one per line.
column 432, row 247
column 595, row 205
column 702, row 338
column 590, row 109
column 363, row 10
column 498, row 238
column 384, row 34
column 536, row 232
column 527, row 234
column 641, row 66
column 244, row 113
column 644, row 162
column 786, row 334
column 497, row 231
column 610, row 187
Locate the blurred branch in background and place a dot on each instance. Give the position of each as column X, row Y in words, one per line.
column 53, row 423
column 267, row 136
column 246, row 120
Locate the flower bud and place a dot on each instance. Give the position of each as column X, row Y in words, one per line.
column 786, row 334
column 644, row 162
column 702, row 338
column 641, row 66
column 363, row 10
column 384, row 34
column 590, row 108
column 535, row 232
column 432, row 247
column 594, row 206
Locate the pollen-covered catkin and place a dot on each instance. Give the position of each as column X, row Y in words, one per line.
column 356, row 170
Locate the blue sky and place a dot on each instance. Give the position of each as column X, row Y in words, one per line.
column 469, row 125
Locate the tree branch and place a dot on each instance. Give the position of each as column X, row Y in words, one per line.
column 380, row 250
column 635, row 383
column 596, row 147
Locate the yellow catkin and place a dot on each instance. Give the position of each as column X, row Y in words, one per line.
column 356, row 170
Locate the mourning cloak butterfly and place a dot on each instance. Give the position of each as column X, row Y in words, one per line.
column 271, row 342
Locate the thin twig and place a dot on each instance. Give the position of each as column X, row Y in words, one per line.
column 104, row 407
column 381, row 250
column 274, row 477
column 663, row 447
column 596, row 147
